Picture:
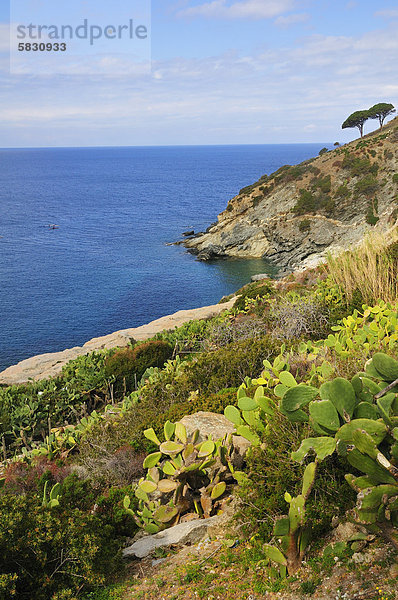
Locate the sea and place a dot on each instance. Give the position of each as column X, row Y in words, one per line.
column 105, row 264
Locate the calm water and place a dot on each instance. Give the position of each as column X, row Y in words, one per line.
column 107, row 266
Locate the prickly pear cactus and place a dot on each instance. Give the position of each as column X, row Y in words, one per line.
column 184, row 478
column 359, row 419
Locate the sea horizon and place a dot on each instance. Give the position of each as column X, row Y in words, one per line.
column 164, row 146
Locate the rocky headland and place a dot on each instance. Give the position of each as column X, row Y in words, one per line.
column 295, row 215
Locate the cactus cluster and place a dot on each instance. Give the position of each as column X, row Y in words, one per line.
column 185, row 478
column 291, row 531
column 375, row 327
column 359, row 419
column 249, row 420
column 356, row 418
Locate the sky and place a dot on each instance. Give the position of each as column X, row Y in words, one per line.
column 221, row 72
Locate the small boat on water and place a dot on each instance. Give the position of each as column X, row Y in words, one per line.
column 53, row 226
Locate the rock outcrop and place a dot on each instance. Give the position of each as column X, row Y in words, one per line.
column 293, row 216
column 216, row 425
column 189, row 532
column 48, row 365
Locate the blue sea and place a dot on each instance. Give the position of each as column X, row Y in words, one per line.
column 107, row 266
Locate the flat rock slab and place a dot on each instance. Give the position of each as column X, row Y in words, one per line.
column 260, row 277
column 183, row 533
column 44, row 366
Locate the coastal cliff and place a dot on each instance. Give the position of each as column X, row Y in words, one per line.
column 295, row 215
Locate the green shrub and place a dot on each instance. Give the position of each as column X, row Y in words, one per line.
column 48, row 551
column 246, row 190
column 343, row 192
column 395, row 178
column 127, row 365
column 359, row 166
column 252, row 291
column 86, row 372
column 305, row 204
column 305, row 225
column 227, row 367
column 213, row 402
column 167, row 398
column 290, row 173
column 193, row 331
column 322, row 183
column 366, row 186
column 322, row 151
column 371, row 215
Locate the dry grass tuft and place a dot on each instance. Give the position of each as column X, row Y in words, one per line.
column 370, row 268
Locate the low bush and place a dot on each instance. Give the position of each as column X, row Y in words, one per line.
column 49, row 553
column 322, row 183
column 261, row 289
column 305, row 204
column 305, row 225
column 367, row 186
column 371, row 215
column 359, row 166
column 168, row 397
column 342, row 192
column 127, row 365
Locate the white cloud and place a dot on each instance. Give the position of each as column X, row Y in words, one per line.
column 288, row 20
column 243, row 9
column 300, row 93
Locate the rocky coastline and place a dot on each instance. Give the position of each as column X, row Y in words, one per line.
column 43, row 366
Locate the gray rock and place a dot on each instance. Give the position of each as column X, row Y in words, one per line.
column 208, row 423
column 260, row 277
column 210, row 252
column 217, row 426
column 188, row 233
column 183, row 533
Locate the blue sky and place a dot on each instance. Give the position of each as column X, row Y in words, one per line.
column 222, row 72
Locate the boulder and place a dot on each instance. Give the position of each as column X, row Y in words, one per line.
column 217, row 426
column 189, row 532
column 188, row 233
column 259, row 277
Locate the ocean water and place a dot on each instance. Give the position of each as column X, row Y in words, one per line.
column 107, row 266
